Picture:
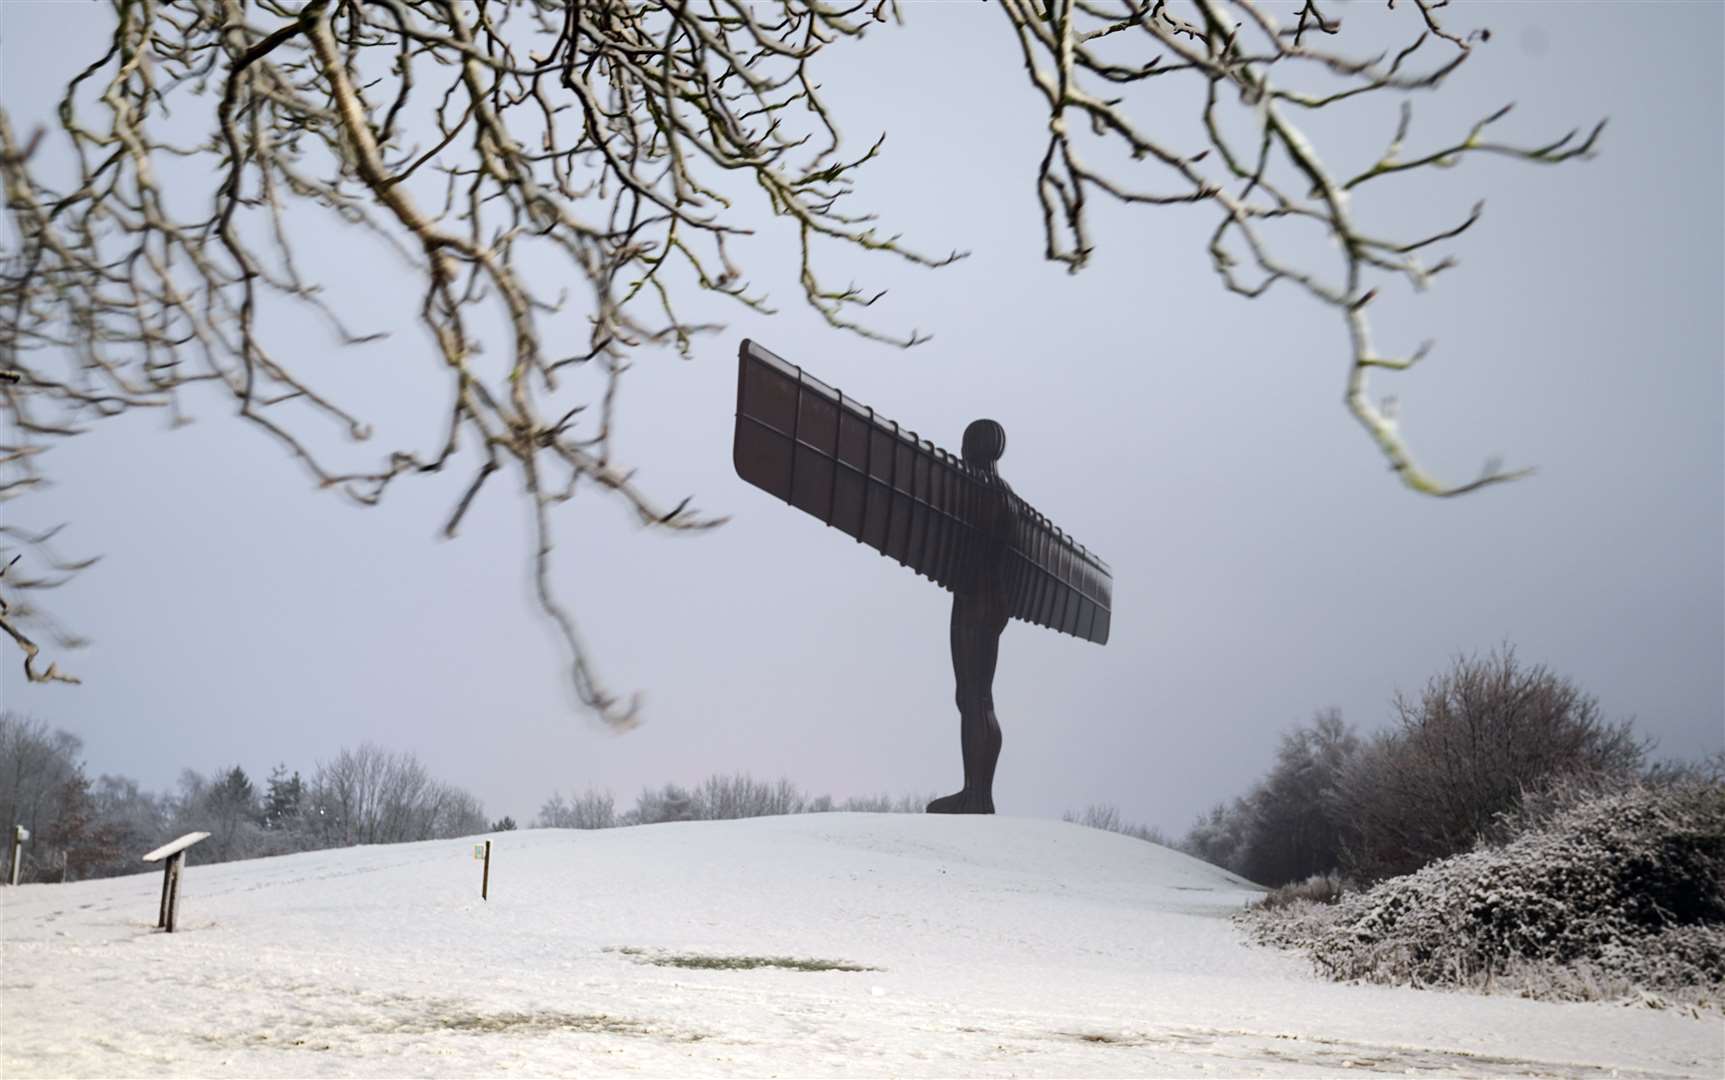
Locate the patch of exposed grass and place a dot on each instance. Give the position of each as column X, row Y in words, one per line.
column 1121, row 1038
column 707, row 962
column 549, row 1021
column 435, row 1017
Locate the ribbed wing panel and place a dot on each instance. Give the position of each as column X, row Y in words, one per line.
column 806, row 443
column 1053, row 581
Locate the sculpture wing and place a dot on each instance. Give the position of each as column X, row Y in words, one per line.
column 1053, row 581
column 803, row 441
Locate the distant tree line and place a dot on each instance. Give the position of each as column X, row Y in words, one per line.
column 85, row 828
column 1460, row 759
column 721, row 797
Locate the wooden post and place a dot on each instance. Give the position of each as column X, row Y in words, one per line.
column 19, row 835
column 485, row 879
column 167, row 879
column 174, row 854
column 175, row 862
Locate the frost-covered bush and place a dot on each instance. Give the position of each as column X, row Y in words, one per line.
column 1317, row 889
column 1219, row 837
column 1621, row 891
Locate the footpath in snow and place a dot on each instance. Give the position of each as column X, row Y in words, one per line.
column 907, row 945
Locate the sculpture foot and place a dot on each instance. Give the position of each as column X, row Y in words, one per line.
column 961, row 802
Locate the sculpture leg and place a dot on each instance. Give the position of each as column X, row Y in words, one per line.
column 975, row 651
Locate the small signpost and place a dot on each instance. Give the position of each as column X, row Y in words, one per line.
column 19, row 835
column 175, row 853
column 483, row 851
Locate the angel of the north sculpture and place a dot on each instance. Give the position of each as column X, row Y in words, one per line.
column 951, row 519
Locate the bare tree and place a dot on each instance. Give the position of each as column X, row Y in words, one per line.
column 130, row 821
column 673, row 802
column 35, row 763
column 472, row 140
column 722, row 798
column 458, row 813
column 1220, row 836
column 375, row 796
column 617, row 139
column 1296, row 829
column 588, row 810
column 1465, row 751
column 230, row 808
column 408, row 801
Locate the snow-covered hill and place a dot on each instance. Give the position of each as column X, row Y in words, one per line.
column 987, row 946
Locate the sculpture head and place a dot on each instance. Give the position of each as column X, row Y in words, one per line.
column 984, row 442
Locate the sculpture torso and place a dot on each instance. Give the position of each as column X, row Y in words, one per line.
column 981, row 585
column 982, row 577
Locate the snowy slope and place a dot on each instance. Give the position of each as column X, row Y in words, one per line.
column 999, row 946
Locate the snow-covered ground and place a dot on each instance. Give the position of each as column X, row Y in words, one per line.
column 993, row 946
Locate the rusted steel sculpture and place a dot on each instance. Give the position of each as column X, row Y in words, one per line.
column 952, row 520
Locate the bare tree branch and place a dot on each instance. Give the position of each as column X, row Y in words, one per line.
column 1241, row 51
column 472, row 139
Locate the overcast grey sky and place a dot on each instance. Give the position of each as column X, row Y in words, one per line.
column 1266, row 564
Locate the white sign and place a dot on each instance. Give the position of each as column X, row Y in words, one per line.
column 479, row 851
column 175, row 846
column 21, row 833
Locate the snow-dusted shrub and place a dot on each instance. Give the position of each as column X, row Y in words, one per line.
column 1219, row 837
column 1296, row 924
column 1619, row 892
column 1317, row 889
